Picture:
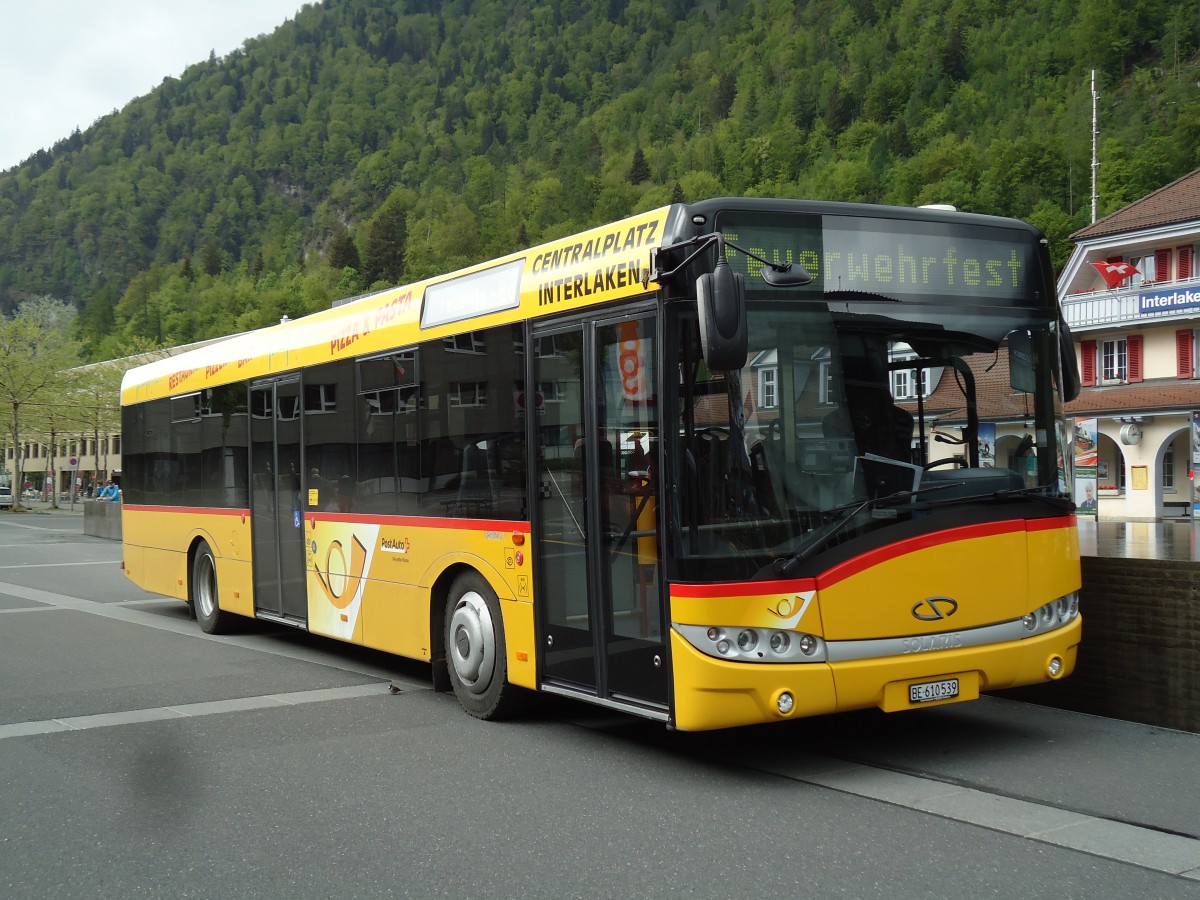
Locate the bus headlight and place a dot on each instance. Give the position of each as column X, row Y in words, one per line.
column 747, row 640
column 1055, row 614
column 754, row 644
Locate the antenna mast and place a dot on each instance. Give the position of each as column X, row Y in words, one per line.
column 1095, row 137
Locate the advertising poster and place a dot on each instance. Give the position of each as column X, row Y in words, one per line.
column 987, row 445
column 1087, row 455
column 1195, row 460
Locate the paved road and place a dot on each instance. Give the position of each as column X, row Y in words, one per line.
column 139, row 757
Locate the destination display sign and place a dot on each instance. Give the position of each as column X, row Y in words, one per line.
column 899, row 259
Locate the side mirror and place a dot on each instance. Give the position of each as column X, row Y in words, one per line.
column 1020, row 362
column 721, row 306
column 1072, row 382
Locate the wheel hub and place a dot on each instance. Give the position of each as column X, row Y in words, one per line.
column 473, row 639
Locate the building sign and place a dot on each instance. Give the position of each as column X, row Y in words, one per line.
column 1168, row 301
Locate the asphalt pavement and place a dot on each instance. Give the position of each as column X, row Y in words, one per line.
column 141, row 757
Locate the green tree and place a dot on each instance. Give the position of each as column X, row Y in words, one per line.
column 639, row 169
column 36, row 355
column 94, row 407
column 343, row 252
column 386, row 238
column 210, row 259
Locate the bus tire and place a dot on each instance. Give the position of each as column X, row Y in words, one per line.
column 475, row 650
column 204, row 593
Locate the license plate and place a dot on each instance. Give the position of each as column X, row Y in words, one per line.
column 933, row 690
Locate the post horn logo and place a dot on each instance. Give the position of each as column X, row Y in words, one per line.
column 932, row 609
column 791, row 611
column 341, row 577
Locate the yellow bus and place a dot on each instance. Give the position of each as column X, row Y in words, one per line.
column 722, row 463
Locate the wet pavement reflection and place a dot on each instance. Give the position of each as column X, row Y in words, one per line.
column 1170, row 539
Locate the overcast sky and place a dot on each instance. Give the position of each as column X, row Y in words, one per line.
column 66, row 63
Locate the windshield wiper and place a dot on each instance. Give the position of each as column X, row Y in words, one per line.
column 1035, row 493
column 785, row 568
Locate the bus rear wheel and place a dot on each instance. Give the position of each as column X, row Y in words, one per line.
column 475, row 649
column 204, row 592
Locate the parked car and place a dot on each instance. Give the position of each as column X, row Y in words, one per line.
column 6, row 497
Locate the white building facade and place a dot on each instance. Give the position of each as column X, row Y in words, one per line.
column 1134, row 319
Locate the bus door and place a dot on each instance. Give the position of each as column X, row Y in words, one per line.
column 276, row 517
column 599, row 590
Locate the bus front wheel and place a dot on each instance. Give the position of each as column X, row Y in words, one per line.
column 204, row 592
column 475, row 649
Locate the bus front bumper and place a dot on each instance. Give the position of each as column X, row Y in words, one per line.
column 713, row 693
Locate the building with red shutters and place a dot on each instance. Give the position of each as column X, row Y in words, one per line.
column 1135, row 330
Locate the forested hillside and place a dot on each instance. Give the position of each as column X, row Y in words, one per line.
column 374, row 141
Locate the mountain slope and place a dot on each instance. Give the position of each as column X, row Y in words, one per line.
column 434, row 134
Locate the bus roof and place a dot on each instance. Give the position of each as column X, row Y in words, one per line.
column 606, row 263
column 610, row 262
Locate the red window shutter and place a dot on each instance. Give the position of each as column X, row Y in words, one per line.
column 1162, row 265
column 1087, row 363
column 1133, row 345
column 1185, row 262
column 1184, row 344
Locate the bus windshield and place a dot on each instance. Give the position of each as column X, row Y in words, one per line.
column 855, row 414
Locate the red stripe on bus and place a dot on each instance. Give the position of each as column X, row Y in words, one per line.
column 422, row 522
column 399, row 521
column 936, row 539
column 742, row 589
column 190, row 510
column 871, row 558
column 1049, row 524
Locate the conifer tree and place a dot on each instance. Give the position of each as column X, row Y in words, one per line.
column 384, row 257
column 343, row 252
column 640, row 170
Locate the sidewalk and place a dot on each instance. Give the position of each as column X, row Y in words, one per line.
column 1172, row 539
column 64, row 508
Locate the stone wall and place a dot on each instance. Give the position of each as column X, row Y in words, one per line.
column 102, row 518
column 1140, row 656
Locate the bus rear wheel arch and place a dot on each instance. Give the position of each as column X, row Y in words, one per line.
column 475, row 649
column 203, row 594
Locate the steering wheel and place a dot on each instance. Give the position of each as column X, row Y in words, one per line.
column 956, row 461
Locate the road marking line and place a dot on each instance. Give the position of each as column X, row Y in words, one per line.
column 37, row 527
column 260, row 643
column 192, row 710
column 62, row 565
column 1170, row 854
